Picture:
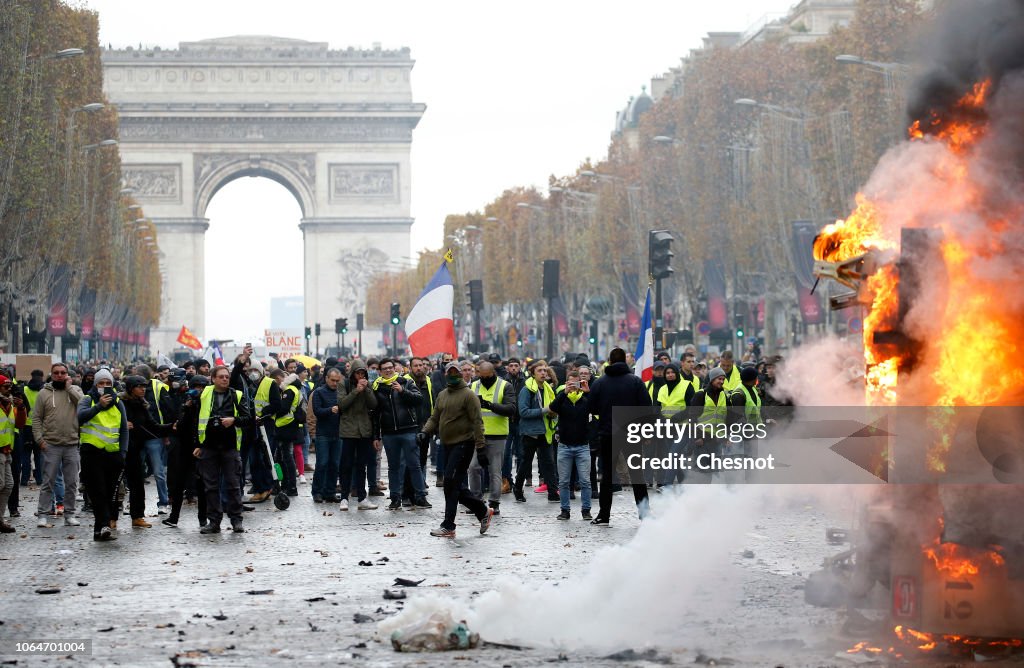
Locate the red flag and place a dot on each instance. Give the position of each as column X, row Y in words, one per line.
column 187, row 338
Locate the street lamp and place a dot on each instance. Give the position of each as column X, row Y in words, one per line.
column 874, row 65
column 665, row 139
column 780, row 111
column 69, row 140
column 101, row 144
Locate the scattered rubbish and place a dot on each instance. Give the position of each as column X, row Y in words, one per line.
column 83, row 584
column 360, row 618
column 366, row 563
column 197, row 616
column 390, row 534
column 322, row 553
column 403, row 582
column 855, row 658
column 249, row 569
column 393, row 595
column 706, row 660
column 437, row 633
column 384, row 559
column 518, row 554
column 260, row 592
column 315, row 599
column 441, row 584
column 500, row 645
column 220, row 617
column 64, row 552
column 106, row 630
column 288, row 563
column 313, row 627
column 48, row 590
column 168, row 625
column 649, row 656
column 358, row 645
column 748, row 554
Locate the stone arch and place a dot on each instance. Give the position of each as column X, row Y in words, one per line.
column 295, row 172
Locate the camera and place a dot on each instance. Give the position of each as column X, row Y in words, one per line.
column 215, row 422
column 177, row 380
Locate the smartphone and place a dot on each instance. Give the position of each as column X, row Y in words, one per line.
column 109, row 390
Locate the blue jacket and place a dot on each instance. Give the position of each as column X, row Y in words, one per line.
column 531, row 415
column 328, row 423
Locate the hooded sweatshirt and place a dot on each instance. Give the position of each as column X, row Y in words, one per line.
column 617, row 387
column 355, row 407
column 55, row 416
column 456, row 417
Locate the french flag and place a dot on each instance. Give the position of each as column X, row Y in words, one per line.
column 645, row 345
column 430, row 327
column 218, row 356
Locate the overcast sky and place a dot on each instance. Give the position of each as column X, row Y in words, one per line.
column 515, row 91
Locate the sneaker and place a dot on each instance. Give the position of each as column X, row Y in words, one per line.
column 42, row 523
column 161, row 509
column 15, row 513
column 441, row 532
column 439, row 482
column 71, row 521
column 485, row 523
column 554, row 498
column 247, row 508
column 302, row 479
column 600, row 522
column 210, row 528
column 586, row 514
column 236, row 527
column 104, row 534
column 564, row 515
column 6, row 528
column 317, row 498
column 395, row 505
column 343, row 505
column 540, row 489
column 141, row 523
column 376, row 492
column 366, row 504
column 60, row 509
column 520, row 497
column 407, row 503
column 422, row 503
column 168, row 522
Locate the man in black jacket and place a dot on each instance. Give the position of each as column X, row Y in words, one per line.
column 514, row 443
column 223, row 414
column 617, row 387
column 396, row 424
column 573, row 408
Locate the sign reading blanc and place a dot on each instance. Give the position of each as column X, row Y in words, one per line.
column 284, row 342
column 364, row 181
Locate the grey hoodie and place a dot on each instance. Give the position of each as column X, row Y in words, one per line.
column 55, row 416
column 355, row 406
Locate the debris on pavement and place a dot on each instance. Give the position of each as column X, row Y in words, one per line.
column 437, row 633
column 260, row 592
column 706, row 660
column 48, row 590
column 403, row 582
column 648, row 656
column 393, row 595
column 360, row 618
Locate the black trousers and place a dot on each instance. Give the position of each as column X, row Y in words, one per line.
column 135, row 479
column 607, row 460
column 182, row 475
column 101, row 471
column 459, row 457
column 545, row 462
column 220, row 469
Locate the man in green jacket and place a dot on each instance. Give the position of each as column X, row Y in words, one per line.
column 458, row 421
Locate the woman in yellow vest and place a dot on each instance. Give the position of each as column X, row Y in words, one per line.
column 673, row 398
column 103, row 432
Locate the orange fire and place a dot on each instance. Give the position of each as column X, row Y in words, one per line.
column 926, row 642
column 959, row 562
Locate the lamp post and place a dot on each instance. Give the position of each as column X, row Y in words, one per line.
column 895, row 76
column 90, row 108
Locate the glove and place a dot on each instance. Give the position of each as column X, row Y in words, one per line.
column 422, row 439
column 481, row 457
column 485, row 404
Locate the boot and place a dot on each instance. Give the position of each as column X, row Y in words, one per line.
column 506, row 486
column 141, row 523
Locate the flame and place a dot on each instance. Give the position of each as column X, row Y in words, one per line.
column 927, row 642
column 961, row 562
column 965, row 125
column 846, row 239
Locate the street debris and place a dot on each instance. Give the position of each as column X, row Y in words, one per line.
column 394, row 595
column 403, row 582
column 437, row 633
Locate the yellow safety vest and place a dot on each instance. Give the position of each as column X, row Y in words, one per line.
column 157, row 387
column 430, row 390
column 751, row 405
column 104, row 429
column 7, row 428
column 30, row 399
column 732, row 380
column 546, row 399
column 650, row 390
column 206, row 407
column 695, row 381
column 675, row 401
column 289, row 417
column 494, row 424
column 714, row 413
column 263, row 394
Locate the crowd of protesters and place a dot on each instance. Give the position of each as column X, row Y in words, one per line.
column 199, row 434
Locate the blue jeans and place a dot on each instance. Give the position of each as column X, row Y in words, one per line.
column 513, row 446
column 403, row 453
column 156, row 453
column 305, row 450
column 328, row 461
column 569, row 455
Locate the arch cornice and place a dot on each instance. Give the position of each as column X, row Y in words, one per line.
column 295, row 171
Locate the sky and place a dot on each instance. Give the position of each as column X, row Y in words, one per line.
column 515, row 92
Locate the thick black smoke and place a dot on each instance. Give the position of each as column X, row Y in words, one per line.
column 971, row 40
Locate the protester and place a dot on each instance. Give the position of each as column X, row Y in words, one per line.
column 103, row 426
column 395, row 426
column 55, row 427
column 572, row 405
column 356, row 404
column 222, row 415
column 537, row 430
column 497, row 405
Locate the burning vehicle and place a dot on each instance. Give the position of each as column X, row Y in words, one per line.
column 934, row 255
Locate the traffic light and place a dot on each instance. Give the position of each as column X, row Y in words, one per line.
column 660, row 247
column 309, row 333
column 338, row 325
column 476, row 295
column 318, row 329
column 396, row 315
column 739, row 332
column 593, row 332
column 344, row 325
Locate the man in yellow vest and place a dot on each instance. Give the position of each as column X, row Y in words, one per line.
column 746, row 403
column 12, row 418
column 732, row 374
column 103, row 431
column 222, row 416
column 497, row 405
column 31, row 455
column 711, row 406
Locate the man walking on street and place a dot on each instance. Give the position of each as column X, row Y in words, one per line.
column 458, row 421
column 617, row 387
column 55, row 428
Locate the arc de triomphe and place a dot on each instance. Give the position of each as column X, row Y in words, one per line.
column 333, row 126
